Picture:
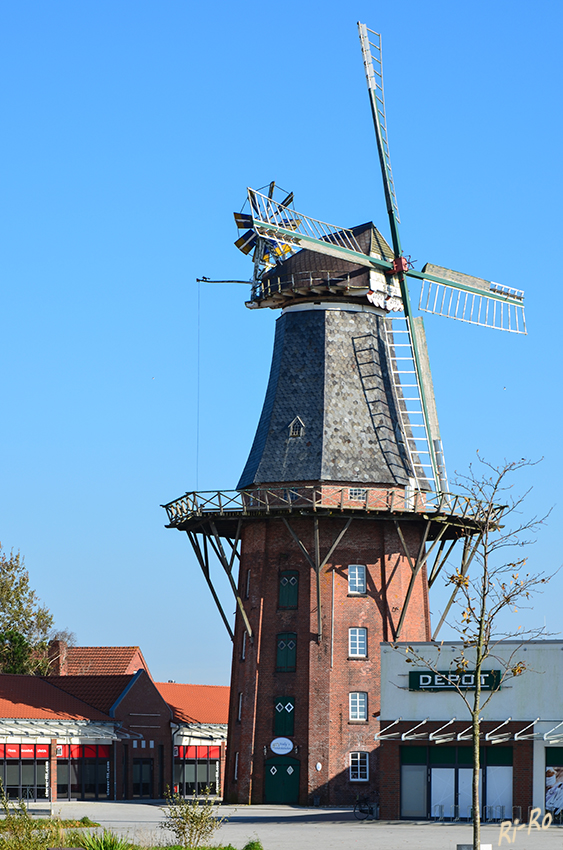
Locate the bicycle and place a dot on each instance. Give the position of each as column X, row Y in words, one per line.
column 364, row 808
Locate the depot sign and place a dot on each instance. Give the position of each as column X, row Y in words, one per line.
column 428, row 680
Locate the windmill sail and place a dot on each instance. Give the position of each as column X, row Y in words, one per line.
column 291, row 229
column 428, row 462
column 470, row 299
column 371, row 52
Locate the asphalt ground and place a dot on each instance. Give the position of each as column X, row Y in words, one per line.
column 297, row 828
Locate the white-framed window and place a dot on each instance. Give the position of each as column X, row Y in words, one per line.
column 357, row 643
column 297, row 427
column 356, row 578
column 359, row 767
column 357, row 494
column 358, row 705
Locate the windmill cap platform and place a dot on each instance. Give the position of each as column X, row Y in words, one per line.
column 308, row 275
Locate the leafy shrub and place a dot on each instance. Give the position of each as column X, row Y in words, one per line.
column 193, row 822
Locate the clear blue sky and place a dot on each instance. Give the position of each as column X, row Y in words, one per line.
column 130, row 132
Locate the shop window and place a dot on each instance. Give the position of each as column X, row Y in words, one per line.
column 499, row 756
column 195, row 769
column 499, row 790
column 437, row 782
column 358, row 706
column 13, row 780
column 357, row 643
column 284, row 712
column 465, row 756
column 554, row 756
column 288, row 589
column 359, row 767
column 414, row 789
column 286, row 651
column 414, row 755
column 161, row 771
column 124, row 772
column 442, row 755
column 142, row 777
column 82, row 771
column 442, row 792
column 356, row 579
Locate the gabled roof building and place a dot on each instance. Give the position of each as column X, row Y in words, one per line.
column 109, row 733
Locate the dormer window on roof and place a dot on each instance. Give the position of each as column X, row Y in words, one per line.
column 297, row 427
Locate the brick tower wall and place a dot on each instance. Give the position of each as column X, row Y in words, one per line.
column 324, row 675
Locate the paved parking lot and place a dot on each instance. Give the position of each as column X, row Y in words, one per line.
column 293, row 828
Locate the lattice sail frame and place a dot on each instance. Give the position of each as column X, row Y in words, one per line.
column 373, row 65
column 500, row 308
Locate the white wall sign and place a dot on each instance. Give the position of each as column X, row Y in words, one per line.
column 281, row 746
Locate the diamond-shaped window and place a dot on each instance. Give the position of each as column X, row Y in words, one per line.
column 289, row 707
column 290, row 770
column 279, row 707
column 273, row 770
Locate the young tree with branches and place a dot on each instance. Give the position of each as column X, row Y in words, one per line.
column 499, row 585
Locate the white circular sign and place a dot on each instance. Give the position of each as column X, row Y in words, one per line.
column 281, row 746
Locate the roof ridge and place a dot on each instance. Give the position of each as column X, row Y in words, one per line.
column 129, row 646
column 192, row 685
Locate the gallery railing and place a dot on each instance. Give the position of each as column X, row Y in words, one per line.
column 325, row 498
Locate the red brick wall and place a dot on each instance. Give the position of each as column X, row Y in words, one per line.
column 523, row 776
column 143, row 710
column 324, row 674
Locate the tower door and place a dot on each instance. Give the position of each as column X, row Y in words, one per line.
column 282, row 780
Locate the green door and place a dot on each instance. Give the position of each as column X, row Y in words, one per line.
column 282, row 780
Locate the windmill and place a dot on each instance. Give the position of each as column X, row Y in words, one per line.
column 275, row 231
column 341, row 521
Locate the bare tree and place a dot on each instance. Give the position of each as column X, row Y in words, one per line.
column 500, row 585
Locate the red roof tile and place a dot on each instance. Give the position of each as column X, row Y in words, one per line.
column 30, row 697
column 99, row 691
column 104, row 661
column 196, row 703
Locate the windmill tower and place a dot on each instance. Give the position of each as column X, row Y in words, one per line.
column 342, row 520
